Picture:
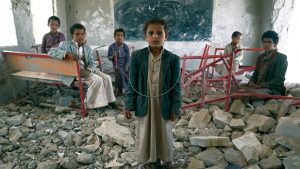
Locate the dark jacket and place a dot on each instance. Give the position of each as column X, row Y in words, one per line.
column 170, row 73
column 275, row 73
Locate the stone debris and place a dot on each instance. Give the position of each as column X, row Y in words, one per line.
column 56, row 136
column 209, row 141
column 263, row 123
column 200, row 119
column 289, row 127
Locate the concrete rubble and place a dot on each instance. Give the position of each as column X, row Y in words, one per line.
column 52, row 137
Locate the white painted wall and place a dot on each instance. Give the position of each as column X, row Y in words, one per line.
column 96, row 15
column 228, row 16
column 8, row 26
column 39, row 19
column 292, row 45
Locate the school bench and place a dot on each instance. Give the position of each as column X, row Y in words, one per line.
column 42, row 68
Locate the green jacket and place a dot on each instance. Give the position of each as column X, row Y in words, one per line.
column 138, row 76
column 275, row 74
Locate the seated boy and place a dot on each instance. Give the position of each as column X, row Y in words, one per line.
column 271, row 66
column 100, row 91
column 119, row 52
column 229, row 49
column 54, row 37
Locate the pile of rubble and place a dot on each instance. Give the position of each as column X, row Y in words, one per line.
column 245, row 137
column 50, row 137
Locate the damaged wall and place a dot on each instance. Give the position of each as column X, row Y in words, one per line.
column 96, row 15
column 59, row 7
column 9, row 87
column 276, row 16
column 228, row 16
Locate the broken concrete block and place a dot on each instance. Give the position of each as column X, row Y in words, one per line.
column 129, row 157
column 3, row 131
column 269, row 140
column 47, row 165
column 249, row 146
column 66, row 137
column 250, row 154
column 182, row 122
column 59, row 109
column 119, row 134
column 237, row 124
column 227, row 128
column 211, row 156
column 16, row 120
column 221, row 118
column 292, row 162
column 235, row 157
column 14, row 134
column 236, row 134
column 212, row 108
column 28, row 123
column 195, row 163
column 237, row 107
column 178, row 146
column 272, row 106
column 288, row 127
column 263, row 123
column 288, row 142
column 209, row 132
column 264, row 152
column 200, row 119
column 85, row 158
column 181, row 134
column 209, row 141
column 272, row 162
column 262, row 110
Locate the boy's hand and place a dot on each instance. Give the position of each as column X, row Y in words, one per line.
column 173, row 117
column 127, row 114
column 71, row 55
column 85, row 73
column 251, row 84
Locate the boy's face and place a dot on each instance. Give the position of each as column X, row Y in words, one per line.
column 155, row 35
column 236, row 40
column 79, row 36
column 268, row 44
column 119, row 37
column 54, row 25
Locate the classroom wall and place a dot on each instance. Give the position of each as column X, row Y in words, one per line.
column 277, row 16
column 59, row 7
column 96, row 15
column 250, row 17
column 10, row 87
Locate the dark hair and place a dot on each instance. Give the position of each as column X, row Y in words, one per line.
column 76, row 26
column 119, row 30
column 53, row 18
column 236, row 34
column 271, row 34
column 158, row 21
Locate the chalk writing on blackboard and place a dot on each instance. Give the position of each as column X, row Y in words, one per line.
column 188, row 20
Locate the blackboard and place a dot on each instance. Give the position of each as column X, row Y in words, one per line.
column 188, row 20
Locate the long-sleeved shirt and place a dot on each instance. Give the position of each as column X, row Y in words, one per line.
column 228, row 50
column 84, row 52
column 270, row 72
column 51, row 40
column 123, row 54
